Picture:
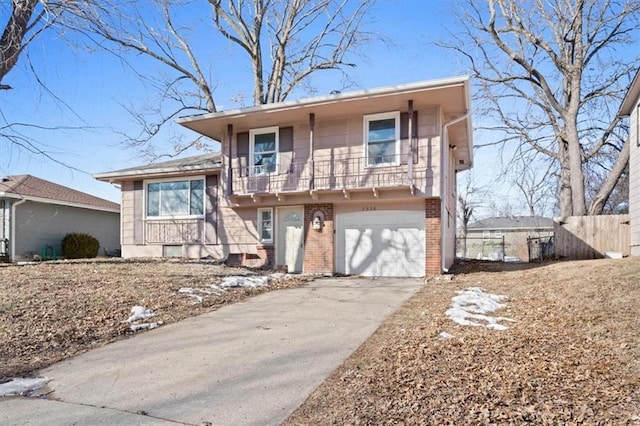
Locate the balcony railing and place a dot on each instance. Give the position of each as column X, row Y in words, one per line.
column 336, row 174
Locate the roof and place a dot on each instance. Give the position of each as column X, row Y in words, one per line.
column 519, row 222
column 630, row 99
column 452, row 95
column 31, row 188
column 175, row 167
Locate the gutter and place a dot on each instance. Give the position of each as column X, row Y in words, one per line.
column 444, row 143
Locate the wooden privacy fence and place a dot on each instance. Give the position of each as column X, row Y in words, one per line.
column 589, row 237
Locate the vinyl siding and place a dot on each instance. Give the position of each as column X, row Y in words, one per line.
column 634, row 182
column 39, row 224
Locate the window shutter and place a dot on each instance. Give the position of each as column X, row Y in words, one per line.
column 211, row 210
column 138, row 212
column 285, row 148
column 242, row 143
column 285, row 139
column 404, row 136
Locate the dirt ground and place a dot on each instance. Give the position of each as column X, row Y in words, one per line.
column 571, row 357
column 52, row 311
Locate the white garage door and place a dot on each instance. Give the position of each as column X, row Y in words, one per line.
column 381, row 243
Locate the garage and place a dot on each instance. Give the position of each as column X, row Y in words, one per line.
column 381, row 243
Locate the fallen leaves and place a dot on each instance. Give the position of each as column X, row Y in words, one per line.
column 51, row 311
column 571, row 357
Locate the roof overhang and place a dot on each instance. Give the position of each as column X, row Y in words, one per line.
column 162, row 170
column 631, row 98
column 452, row 95
column 43, row 200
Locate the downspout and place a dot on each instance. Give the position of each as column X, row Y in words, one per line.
column 444, row 143
column 12, row 236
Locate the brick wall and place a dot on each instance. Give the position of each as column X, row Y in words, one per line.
column 433, row 230
column 318, row 246
column 264, row 258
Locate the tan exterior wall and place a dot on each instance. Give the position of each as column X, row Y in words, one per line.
column 341, row 139
column 433, row 230
column 126, row 206
column 634, row 182
column 39, row 224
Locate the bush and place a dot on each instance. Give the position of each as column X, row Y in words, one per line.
column 77, row 245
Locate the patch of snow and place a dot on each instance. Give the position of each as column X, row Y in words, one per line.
column 146, row 326
column 612, row 255
column 140, row 313
column 21, row 386
column 444, row 335
column 470, row 306
column 237, row 281
column 216, row 289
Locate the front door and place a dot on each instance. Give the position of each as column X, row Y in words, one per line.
column 289, row 244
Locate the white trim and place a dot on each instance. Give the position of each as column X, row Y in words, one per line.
column 365, row 137
column 259, row 223
column 329, row 99
column 184, row 178
column 59, row 202
column 263, row 131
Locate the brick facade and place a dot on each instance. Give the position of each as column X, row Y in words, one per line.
column 433, row 237
column 318, row 245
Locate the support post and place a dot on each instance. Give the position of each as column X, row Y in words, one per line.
column 229, row 169
column 312, row 123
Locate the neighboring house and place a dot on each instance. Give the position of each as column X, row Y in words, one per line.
column 352, row 183
column 630, row 108
column 498, row 237
column 35, row 213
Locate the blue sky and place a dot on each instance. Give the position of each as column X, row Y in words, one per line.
column 92, row 88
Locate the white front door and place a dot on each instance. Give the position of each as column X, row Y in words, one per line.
column 289, row 244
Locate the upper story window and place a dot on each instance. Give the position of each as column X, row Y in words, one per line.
column 263, row 145
column 382, row 138
column 183, row 197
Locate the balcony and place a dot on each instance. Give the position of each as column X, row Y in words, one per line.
column 327, row 175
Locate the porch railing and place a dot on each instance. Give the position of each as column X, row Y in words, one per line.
column 328, row 174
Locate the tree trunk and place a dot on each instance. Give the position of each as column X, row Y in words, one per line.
column 599, row 201
column 13, row 36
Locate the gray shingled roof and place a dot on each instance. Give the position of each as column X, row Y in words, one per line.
column 202, row 162
column 30, row 187
column 519, row 222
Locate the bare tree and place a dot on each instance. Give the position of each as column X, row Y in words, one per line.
column 286, row 42
column 534, row 180
column 551, row 76
column 470, row 197
column 24, row 22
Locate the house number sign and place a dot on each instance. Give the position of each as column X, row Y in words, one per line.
column 369, row 209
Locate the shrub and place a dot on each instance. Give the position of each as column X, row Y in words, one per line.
column 77, row 245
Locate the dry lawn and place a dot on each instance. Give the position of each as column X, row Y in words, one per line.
column 52, row 311
column 571, row 357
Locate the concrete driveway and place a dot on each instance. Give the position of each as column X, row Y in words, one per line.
column 251, row 363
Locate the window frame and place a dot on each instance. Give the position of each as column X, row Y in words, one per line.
column 498, row 233
column 486, row 235
column 259, row 223
column 188, row 179
column 252, row 139
column 367, row 119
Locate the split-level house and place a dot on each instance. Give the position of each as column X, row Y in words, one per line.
column 631, row 108
column 349, row 183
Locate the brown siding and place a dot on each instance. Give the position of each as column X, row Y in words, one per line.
column 211, row 210
column 138, row 212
